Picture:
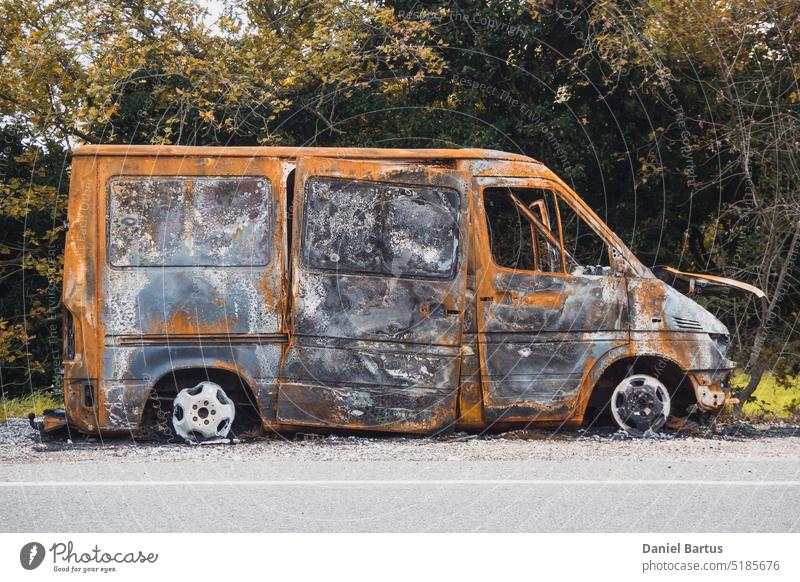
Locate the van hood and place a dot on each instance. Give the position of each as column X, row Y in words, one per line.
column 702, row 284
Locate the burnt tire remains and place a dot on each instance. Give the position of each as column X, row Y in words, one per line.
column 157, row 424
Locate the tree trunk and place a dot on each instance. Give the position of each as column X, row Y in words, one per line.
column 753, row 364
column 747, row 391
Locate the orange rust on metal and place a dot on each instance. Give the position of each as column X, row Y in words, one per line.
column 373, row 303
column 51, row 423
column 294, row 153
column 545, row 300
column 699, row 280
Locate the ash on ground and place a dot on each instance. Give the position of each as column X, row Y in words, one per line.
column 20, row 443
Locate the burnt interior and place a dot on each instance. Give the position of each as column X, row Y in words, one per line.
column 516, row 241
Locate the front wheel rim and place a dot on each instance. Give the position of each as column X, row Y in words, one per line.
column 640, row 403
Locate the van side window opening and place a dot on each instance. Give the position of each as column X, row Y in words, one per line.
column 181, row 222
column 587, row 253
column 523, row 239
column 382, row 229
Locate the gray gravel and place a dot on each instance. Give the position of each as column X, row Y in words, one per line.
column 20, row 444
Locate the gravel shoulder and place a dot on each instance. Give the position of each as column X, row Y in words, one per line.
column 20, row 444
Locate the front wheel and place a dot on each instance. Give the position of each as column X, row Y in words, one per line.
column 640, row 404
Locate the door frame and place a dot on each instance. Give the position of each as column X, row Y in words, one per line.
column 487, row 271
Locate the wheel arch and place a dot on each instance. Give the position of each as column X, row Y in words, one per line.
column 236, row 384
column 609, row 370
column 186, row 370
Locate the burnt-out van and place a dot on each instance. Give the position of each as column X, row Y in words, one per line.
column 219, row 291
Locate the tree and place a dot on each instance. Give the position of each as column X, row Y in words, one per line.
column 32, row 202
column 163, row 71
column 733, row 67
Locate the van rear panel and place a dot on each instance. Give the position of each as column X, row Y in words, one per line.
column 189, row 256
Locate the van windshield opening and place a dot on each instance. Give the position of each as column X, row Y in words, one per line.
column 587, row 251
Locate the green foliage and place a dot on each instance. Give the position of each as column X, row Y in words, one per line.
column 164, row 71
column 774, row 398
column 32, row 207
column 36, row 402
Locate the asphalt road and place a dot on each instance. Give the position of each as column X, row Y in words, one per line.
column 638, row 492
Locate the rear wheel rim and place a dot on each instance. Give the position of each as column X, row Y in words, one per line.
column 203, row 413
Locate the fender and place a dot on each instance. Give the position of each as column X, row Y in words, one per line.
column 617, row 354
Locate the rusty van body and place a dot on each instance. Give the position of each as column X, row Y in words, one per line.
column 359, row 289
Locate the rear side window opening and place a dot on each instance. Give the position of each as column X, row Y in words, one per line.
column 190, row 222
column 380, row 228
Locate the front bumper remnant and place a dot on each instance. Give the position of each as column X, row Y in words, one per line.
column 712, row 389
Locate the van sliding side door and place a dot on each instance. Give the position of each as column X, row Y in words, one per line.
column 377, row 296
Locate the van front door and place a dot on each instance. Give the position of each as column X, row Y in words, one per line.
column 377, row 296
column 548, row 307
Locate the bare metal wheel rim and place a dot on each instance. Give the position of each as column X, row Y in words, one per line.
column 640, row 403
column 202, row 413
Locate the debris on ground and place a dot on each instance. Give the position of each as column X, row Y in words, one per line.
column 19, row 443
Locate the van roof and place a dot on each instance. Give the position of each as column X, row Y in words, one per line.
column 295, row 152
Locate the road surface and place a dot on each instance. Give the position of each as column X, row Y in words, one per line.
column 405, row 485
